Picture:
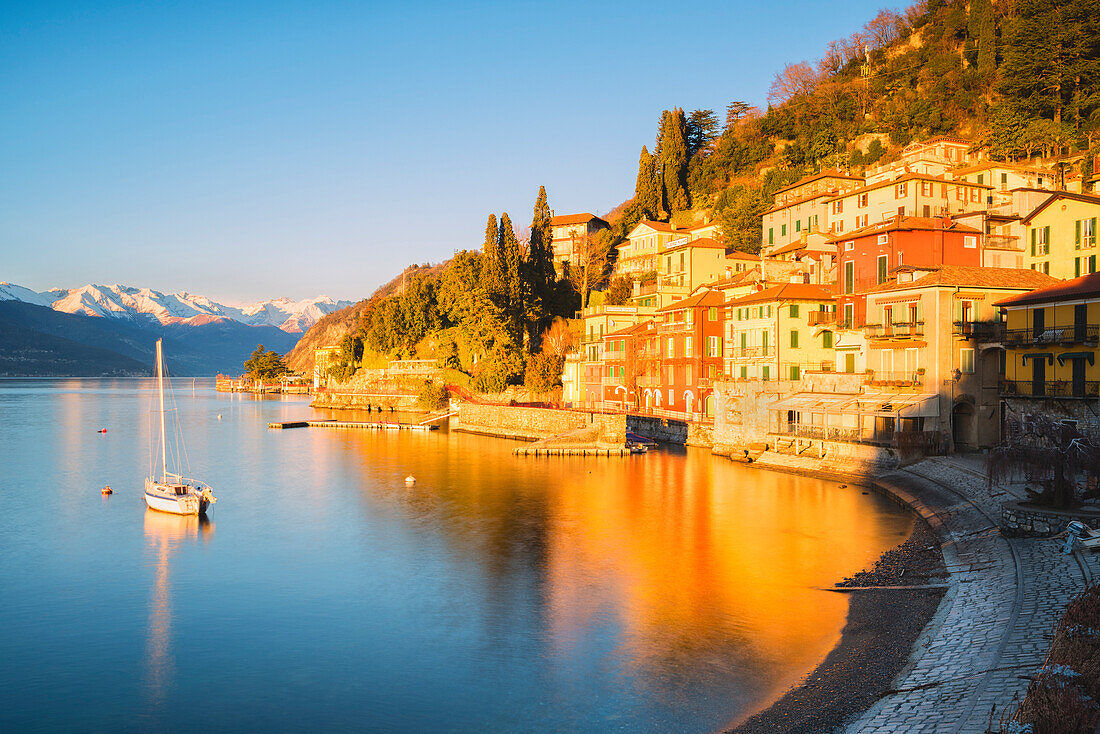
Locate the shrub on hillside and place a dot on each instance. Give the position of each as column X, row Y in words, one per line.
column 543, row 372
column 431, row 396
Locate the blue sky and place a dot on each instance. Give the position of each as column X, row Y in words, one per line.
column 252, row 150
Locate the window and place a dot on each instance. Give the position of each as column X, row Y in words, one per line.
column 925, row 188
column 849, row 315
column 901, row 190
column 744, row 373
column 687, row 347
column 1004, row 182
column 1040, row 241
column 797, row 225
column 1085, row 233
column 827, row 339
column 966, row 361
column 714, row 346
column 794, row 338
column 764, row 343
column 671, row 347
column 862, row 200
column 794, row 310
column 771, row 235
column 794, row 372
column 765, row 373
column 882, row 268
column 849, row 245
column 1084, row 265
column 838, row 206
column 849, row 363
column 767, row 312
column 861, row 221
column 970, row 242
column 981, row 178
column 849, row 276
column 884, row 239
column 712, row 314
column 783, row 230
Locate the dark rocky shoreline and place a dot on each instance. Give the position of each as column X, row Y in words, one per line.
column 882, row 627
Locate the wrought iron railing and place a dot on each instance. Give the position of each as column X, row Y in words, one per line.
column 1073, row 334
column 904, row 330
column 982, row 330
column 1050, row 389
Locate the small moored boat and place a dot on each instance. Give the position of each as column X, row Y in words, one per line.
column 172, row 492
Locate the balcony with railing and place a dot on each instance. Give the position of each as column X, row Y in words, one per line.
column 1050, row 389
column 821, row 318
column 984, row 331
column 1073, row 334
column 903, row 330
column 876, row 378
column 1004, row 242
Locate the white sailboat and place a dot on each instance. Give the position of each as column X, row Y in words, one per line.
column 172, row 492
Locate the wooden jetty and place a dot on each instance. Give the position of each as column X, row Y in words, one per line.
column 567, row 451
column 370, row 425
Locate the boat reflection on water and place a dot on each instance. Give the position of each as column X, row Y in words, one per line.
column 164, row 534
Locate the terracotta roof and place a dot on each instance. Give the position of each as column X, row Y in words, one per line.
column 659, row 226
column 912, row 177
column 1084, row 287
column 791, row 247
column 970, row 276
column 830, row 194
column 938, row 138
column 736, row 279
column 827, row 173
column 631, row 330
column 581, row 218
column 903, row 224
column 785, row 292
column 706, row 298
column 705, row 242
column 986, row 165
column 739, row 255
column 1055, row 196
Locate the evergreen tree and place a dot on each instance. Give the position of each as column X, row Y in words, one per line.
column 702, row 129
column 674, row 161
column 516, row 289
column 982, row 29
column 540, row 268
column 494, row 271
column 647, row 195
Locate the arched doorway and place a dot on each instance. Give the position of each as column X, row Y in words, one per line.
column 689, row 401
column 708, row 405
column 963, row 430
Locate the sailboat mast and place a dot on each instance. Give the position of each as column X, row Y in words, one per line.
column 160, row 390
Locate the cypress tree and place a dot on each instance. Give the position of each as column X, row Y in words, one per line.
column 540, row 266
column 982, row 30
column 493, row 268
column 647, row 196
column 515, row 290
column 674, row 161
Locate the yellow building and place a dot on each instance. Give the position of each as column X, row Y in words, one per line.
column 1051, row 342
column 1061, row 235
column 777, row 333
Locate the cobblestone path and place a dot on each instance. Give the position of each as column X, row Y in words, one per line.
column 994, row 625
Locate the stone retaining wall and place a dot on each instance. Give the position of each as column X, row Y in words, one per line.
column 363, row 401
column 665, row 430
column 1020, row 520
column 514, row 421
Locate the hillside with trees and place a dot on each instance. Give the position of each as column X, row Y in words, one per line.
column 1020, row 77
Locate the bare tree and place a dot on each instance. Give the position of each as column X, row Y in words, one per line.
column 884, row 28
column 795, row 80
column 558, row 339
column 590, row 263
column 1047, row 453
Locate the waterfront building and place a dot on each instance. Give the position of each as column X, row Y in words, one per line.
column 624, row 352
column 1006, row 177
column 866, row 257
column 639, row 254
column 568, row 231
column 323, row 359
column 934, row 331
column 583, row 375
column 803, row 207
column 1061, row 235
column 684, row 357
column 933, row 157
column 1051, row 340
column 779, row 332
column 682, row 266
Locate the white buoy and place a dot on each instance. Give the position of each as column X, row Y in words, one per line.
column 410, row 480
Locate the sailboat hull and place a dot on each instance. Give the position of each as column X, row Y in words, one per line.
column 185, row 505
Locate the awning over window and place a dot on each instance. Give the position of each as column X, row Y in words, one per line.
column 1090, row 356
column 887, row 404
column 1038, row 355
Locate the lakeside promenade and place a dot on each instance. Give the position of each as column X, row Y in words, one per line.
column 993, row 628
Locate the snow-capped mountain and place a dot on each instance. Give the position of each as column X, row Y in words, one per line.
column 144, row 304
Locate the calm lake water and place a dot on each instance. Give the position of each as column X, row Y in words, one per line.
column 667, row 592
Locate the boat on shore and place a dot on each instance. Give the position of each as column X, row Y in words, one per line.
column 171, row 491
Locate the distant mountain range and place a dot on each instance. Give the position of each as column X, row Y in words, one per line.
column 126, row 302
column 111, row 330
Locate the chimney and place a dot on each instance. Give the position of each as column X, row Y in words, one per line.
column 672, row 224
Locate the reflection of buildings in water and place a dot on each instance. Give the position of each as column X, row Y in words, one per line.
column 164, row 533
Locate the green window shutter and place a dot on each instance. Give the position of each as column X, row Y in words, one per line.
column 1092, row 263
column 794, row 339
column 744, row 372
column 744, row 340
column 1033, row 242
column 794, row 311
column 1076, row 267
column 827, row 339
column 1077, row 234
column 1046, row 239
column 794, row 372
column 771, row 236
